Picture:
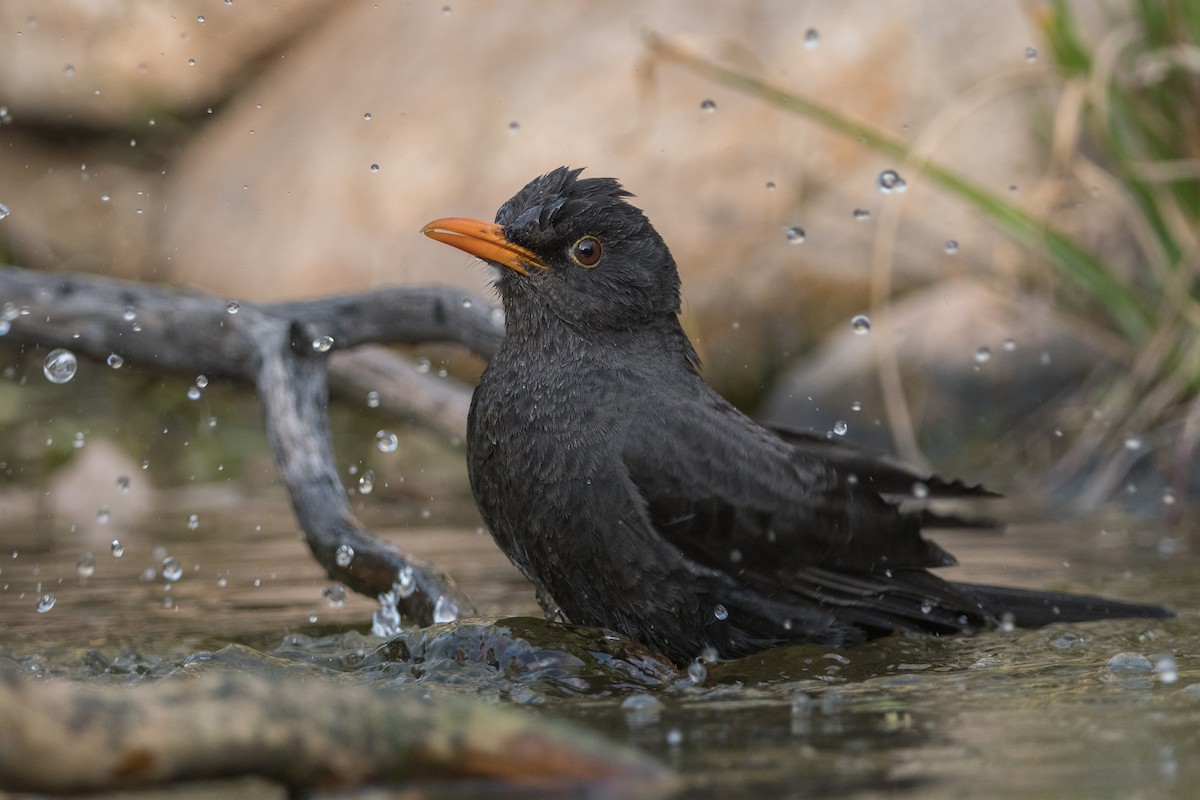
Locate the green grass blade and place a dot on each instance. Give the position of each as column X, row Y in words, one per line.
column 1122, row 306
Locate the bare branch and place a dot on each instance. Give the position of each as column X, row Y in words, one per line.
column 58, row 736
column 282, row 350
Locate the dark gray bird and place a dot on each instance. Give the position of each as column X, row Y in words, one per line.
column 640, row 500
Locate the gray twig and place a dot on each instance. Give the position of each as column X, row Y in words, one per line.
column 282, row 350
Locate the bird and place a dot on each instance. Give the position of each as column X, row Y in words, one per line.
column 636, row 498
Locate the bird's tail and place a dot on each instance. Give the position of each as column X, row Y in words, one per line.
column 1029, row 608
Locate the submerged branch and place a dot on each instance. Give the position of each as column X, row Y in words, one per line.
column 283, row 350
column 62, row 737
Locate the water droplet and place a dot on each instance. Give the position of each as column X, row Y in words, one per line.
column 795, row 234
column 514, row 127
column 201, row 381
column 1167, row 669
column 1010, row 345
column 172, row 570
column 193, row 522
column 812, row 38
column 367, row 116
column 1129, row 662
column 447, row 11
column 840, row 427
column 60, row 365
column 4, row 212
column 386, row 441
column 674, row 737
column 406, row 582
column 861, row 324
column 1008, row 622
column 889, row 181
column 920, row 490
column 497, row 317
column 1133, row 442
column 323, row 344
column 78, row 441
column 46, row 602
column 334, row 595
column 1066, row 640
column 312, row 618
column 385, row 622
column 117, row 548
column 697, row 673
column 1031, row 55
column 130, row 314
column 115, row 361
column 103, row 516
column 721, row 612
column 193, row 392
column 856, row 405
column 770, row 186
column 422, row 365
column 951, row 247
column 366, row 482
column 983, row 355
column 445, row 610
column 372, row 399
column 862, row 215
column 344, row 555
column 1168, row 497
column 191, row 62
column 232, row 307
column 641, row 709
column 927, row 606
column 708, row 106
column 374, row 168
column 69, row 70
column 200, row 18
column 123, row 483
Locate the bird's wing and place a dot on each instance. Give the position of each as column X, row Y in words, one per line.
column 886, row 474
column 730, row 494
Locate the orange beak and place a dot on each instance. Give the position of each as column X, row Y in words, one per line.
column 483, row 240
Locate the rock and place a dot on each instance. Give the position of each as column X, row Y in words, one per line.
column 99, row 491
column 108, row 63
column 959, row 400
column 273, row 195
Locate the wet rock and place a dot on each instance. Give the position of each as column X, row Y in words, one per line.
column 529, row 658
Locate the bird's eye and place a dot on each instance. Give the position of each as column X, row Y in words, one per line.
column 586, row 252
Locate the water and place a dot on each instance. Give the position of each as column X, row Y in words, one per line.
column 1106, row 709
column 1115, row 712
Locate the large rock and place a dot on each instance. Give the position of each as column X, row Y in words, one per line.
column 274, row 195
column 976, row 367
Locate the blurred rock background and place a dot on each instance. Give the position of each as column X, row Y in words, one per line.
column 268, row 151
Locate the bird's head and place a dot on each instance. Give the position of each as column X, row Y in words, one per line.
column 577, row 247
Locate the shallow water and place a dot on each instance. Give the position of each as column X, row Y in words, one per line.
column 1058, row 712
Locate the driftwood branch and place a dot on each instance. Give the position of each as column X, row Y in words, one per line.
column 57, row 736
column 284, row 351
